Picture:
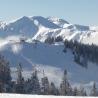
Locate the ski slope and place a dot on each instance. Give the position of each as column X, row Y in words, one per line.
column 49, row 58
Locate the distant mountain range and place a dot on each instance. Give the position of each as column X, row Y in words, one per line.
column 39, row 28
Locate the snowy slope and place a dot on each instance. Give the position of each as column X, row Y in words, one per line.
column 33, row 96
column 45, row 22
column 51, row 58
column 71, row 32
column 84, row 34
column 57, row 21
column 21, row 26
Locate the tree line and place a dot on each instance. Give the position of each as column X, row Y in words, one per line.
column 33, row 85
column 82, row 52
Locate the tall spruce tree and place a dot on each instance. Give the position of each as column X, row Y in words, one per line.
column 45, row 86
column 94, row 91
column 53, row 89
column 35, row 85
column 5, row 76
column 65, row 87
column 20, row 80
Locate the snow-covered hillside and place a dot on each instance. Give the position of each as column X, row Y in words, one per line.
column 51, row 58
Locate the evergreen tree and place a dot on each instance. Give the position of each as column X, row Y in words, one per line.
column 58, row 39
column 20, row 80
column 45, row 89
column 65, row 88
column 35, row 85
column 5, row 76
column 53, row 89
column 75, row 92
column 94, row 91
column 49, row 40
column 82, row 92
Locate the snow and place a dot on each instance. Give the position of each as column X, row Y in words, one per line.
column 36, row 96
column 57, row 21
column 2, row 24
column 50, row 58
column 39, row 28
column 94, row 28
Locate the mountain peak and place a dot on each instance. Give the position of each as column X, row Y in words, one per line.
column 58, row 21
column 45, row 22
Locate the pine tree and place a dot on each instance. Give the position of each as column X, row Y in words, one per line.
column 94, row 91
column 20, row 80
column 35, row 85
column 79, row 91
column 75, row 92
column 45, row 87
column 58, row 39
column 65, row 87
column 5, row 76
column 49, row 40
column 82, row 92
column 53, row 89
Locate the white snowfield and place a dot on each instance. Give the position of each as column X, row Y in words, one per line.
column 37, row 96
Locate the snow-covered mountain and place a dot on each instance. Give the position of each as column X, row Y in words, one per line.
column 57, row 21
column 27, row 26
column 34, row 52
column 39, row 28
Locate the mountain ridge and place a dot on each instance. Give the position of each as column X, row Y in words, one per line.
column 39, row 28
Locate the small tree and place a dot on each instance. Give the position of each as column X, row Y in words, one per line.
column 82, row 91
column 53, row 89
column 75, row 92
column 49, row 40
column 58, row 39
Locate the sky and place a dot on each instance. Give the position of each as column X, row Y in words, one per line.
column 84, row 12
